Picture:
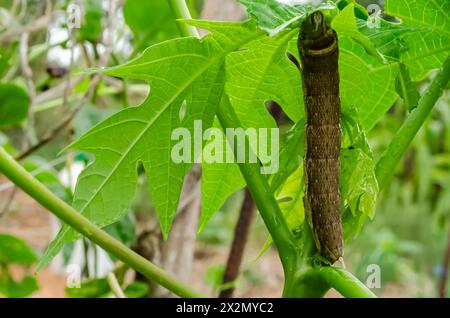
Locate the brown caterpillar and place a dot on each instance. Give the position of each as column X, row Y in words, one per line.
column 318, row 49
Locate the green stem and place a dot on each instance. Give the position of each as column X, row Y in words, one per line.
column 24, row 180
column 256, row 183
column 262, row 195
column 399, row 144
column 345, row 283
column 181, row 11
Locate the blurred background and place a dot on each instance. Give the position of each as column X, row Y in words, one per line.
column 42, row 64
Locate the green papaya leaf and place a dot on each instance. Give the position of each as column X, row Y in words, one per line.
column 124, row 230
column 274, row 16
column 219, row 180
column 14, row 104
column 290, row 200
column 136, row 290
column 14, row 250
column 92, row 288
column 345, row 24
column 358, row 183
column 291, row 154
column 186, row 71
column 429, row 45
column 12, row 288
column 367, row 84
column 260, row 73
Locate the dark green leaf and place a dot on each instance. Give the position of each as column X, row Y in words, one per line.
column 14, row 103
column 91, row 28
column 15, row 250
column 17, row 289
column 92, row 288
column 136, row 290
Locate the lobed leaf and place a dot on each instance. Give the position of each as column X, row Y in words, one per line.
column 186, row 71
column 274, row 16
column 429, row 45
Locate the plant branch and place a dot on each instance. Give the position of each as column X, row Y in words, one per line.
column 345, row 283
column 402, row 139
column 115, row 286
column 52, row 134
column 262, row 195
column 95, row 80
column 25, row 181
column 33, row 26
column 238, row 246
column 27, row 73
column 181, row 11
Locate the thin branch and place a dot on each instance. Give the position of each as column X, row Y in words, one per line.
column 115, row 286
column 25, row 65
column 65, row 122
column 184, row 202
column 236, row 253
column 57, row 91
column 27, row 73
column 68, row 87
column 30, row 185
column 8, row 203
column 34, row 26
column 90, row 91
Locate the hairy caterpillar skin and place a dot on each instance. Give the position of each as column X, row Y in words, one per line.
column 318, row 48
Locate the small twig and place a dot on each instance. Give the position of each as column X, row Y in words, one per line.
column 33, row 26
column 444, row 274
column 23, row 9
column 65, row 122
column 238, row 246
column 68, row 87
column 110, row 28
column 25, row 65
column 85, row 54
column 57, row 91
column 190, row 196
column 89, row 93
column 27, row 73
column 8, row 203
column 115, row 286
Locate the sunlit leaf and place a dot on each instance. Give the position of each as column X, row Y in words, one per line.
column 429, row 45
column 185, row 71
column 274, row 16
